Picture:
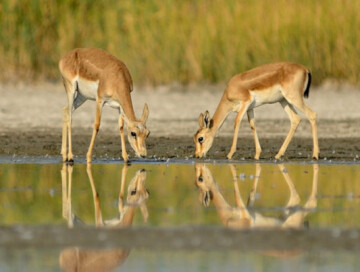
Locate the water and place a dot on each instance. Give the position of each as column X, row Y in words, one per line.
column 180, row 217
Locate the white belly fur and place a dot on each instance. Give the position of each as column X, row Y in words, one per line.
column 112, row 103
column 268, row 96
column 88, row 88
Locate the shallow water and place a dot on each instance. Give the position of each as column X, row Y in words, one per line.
column 183, row 217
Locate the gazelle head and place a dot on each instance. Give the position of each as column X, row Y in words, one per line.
column 137, row 133
column 204, row 181
column 137, row 193
column 204, row 137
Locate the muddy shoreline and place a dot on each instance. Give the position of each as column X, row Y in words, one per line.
column 47, row 142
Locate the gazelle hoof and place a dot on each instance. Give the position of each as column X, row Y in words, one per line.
column 70, row 162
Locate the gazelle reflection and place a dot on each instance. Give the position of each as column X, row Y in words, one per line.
column 240, row 216
column 80, row 259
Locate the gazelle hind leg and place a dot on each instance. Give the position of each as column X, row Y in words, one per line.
column 238, row 119
column 294, row 123
column 67, row 111
column 251, row 119
column 311, row 116
column 294, row 198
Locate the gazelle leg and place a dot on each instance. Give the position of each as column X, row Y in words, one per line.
column 294, row 120
column 70, row 215
column 123, row 146
column 238, row 119
column 251, row 119
column 122, row 188
column 311, row 116
column 64, row 190
column 296, row 219
column 64, row 133
column 67, row 111
column 294, row 196
column 311, row 203
column 96, row 199
column 244, row 213
column 95, row 130
column 252, row 194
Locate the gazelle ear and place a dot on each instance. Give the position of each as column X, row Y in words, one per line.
column 204, row 120
column 201, row 120
column 206, row 199
column 207, row 119
column 145, row 114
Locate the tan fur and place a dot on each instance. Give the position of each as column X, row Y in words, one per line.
column 82, row 259
column 85, row 68
column 283, row 82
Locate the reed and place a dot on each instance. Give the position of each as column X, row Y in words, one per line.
column 162, row 41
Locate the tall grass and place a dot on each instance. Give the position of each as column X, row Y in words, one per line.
column 162, row 41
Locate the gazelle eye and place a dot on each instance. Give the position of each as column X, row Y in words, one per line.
column 133, row 192
column 200, row 179
column 200, row 139
column 133, row 134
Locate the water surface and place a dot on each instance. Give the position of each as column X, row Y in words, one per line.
column 308, row 198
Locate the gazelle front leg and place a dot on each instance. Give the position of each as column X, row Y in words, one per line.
column 244, row 213
column 98, row 216
column 123, row 146
column 122, row 188
column 64, row 134
column 251, row 119
column 252, row 194
column 238, row 119
column 294, row 120
column 99, row 105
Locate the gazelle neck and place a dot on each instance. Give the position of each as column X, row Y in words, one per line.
column 222, row 111
column 223, row 208
column 127, row 216
column 127, row 108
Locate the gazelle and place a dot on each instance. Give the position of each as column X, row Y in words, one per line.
column 241, row 217
column 93, row 74
column 83, row 259
column 283, row 82
column 136, row 197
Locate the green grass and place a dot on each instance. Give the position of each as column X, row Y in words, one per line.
column 162, row 41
